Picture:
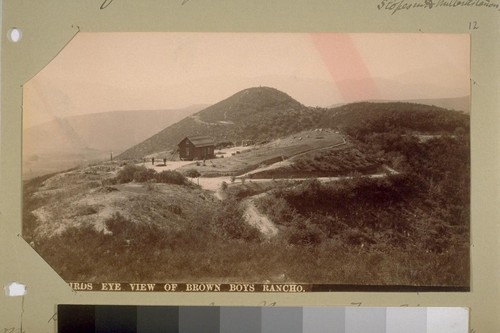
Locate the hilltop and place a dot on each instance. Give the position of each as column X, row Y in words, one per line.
column 234, row 119
column 262, row 114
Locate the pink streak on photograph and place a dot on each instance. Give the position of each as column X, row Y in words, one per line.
column 346, row 66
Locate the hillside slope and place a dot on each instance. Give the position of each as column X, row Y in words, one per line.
column 402, row 115
column 233, row 119
column 263, row 114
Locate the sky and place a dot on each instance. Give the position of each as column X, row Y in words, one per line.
column 100, row 72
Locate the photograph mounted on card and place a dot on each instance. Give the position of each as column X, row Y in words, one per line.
column 247, row 162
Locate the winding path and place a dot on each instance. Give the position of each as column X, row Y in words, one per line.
column 252, row 215
column 259, row 220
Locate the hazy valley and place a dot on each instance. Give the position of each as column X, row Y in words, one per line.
column 78, row 140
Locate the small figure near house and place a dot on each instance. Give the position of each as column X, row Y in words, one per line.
column 153, row 161
column 164, row 161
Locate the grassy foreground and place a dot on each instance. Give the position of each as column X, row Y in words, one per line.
column 216, row 245
column 198, row 255
column 407, row 229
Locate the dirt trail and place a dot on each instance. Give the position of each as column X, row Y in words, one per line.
column 197, row 119
column 259, row 221
column 214, row 183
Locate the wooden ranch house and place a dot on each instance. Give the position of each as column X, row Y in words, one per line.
column 196, row 148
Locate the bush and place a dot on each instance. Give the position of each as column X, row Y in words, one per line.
column 231, row 224
column 120, row 225
column 176, row 209
column 144, row 175
column 85, row 210
column 171, row 177
column 109, row 181
column 304, row 233
column 277, row 208
column 126, row 175
column 192, row 173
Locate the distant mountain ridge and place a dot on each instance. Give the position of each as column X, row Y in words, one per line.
column 451, row 103
column 107, row 131
column 264, row 113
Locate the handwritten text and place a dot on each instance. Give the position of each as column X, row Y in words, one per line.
column 395, row 6
column 106, row 3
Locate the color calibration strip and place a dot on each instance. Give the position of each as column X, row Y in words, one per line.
column 239, row 319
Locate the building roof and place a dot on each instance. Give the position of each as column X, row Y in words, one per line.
column 200, row 141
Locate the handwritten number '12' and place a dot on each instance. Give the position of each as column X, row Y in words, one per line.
column 473, row 25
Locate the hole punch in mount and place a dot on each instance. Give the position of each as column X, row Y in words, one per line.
column 14, row 34
column 15, row 289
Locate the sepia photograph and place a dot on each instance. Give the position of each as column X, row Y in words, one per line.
column 251, row 161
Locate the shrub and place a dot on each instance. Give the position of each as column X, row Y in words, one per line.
column 109, row 181
column 144, row 174
column 94, row 184
column 120, row 225
column 231, row 224
column 126, row 175
column 277, row 208
column 171, row 177
column 107, row 189
column 302, row 232
column 85, row 210
column 241, row 192
column 175, row 209
column 192, row 173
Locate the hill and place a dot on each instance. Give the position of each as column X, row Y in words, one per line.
column 461, row 104
column 404, row 116
column 234, row 119
column 262, row 114
column 453, row 103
